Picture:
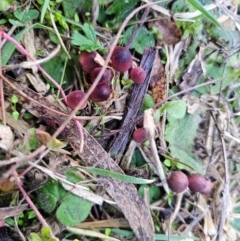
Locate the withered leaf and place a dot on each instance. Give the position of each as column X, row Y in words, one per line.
column 171, row 34
column 192, row 74
column 12, row 211
column 158, row 81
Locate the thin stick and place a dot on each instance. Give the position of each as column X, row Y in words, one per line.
column 31, row 204
column 1, row 87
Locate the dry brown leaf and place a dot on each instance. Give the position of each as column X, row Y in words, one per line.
column 112, row 223
column 171, row 34
column 12, row 211
column 158, row 83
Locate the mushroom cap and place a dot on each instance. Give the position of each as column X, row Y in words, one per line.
column 106, row 77
column 177, row 181
column 74, row 98
column 197, row 182
column 101, row 93
column 86, row 60
column 121, row 59
column 138, row 75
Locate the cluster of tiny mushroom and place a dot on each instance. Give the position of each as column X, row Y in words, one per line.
column 121, row 60
column 179, row 181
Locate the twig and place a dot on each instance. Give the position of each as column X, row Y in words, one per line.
column 31, row 204
column 1, row 85
column 149, row 126
column 57, row 33
column 226, row 191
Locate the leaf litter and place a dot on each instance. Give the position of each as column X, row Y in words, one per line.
column 194, row 93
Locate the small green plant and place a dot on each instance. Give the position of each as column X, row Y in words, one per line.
column 23, row 17
column 45, row 235
column 88, row 41
column 15, row 113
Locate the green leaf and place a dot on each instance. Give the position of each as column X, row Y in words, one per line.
column 33, row 141
column 154, row 192
column 196, row 4
column 148, row 102
column 26, row 16
column 9, row 47
column 15, row 115
column 14, row 99
column 45, row 232
column 88, row 43
column 73, row 210
column 89, row 32
column 34, row 237
column 31, row 215
column 70, row 7
column 167, row 163
column 5, row 4
column 54, row 67
column 137, row 159
column 180, row 134
column 176, row 108
column 44, row 10
column 120, row 9
column 73, row 175
column 16, row 23
column 118, row 176
column 48, row 196
column 143, row 39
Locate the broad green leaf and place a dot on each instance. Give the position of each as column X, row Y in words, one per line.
column 180, row 134
column 196, row 4
column 73, row 210
column 55, row 67
column 48, row 196
column 118, row 176
column 26, row 16
column 16, row 23
column 175, row 108
column 143, row 39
